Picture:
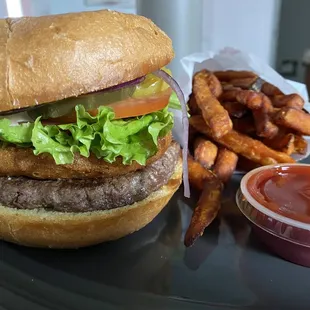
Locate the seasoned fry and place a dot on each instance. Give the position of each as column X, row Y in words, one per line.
column 300, row 145
column 205, row 212
column 294, row 119
column 271, row 90
column 244, row 83
column 225, row 164
column 264, row 127
column 250, row 98
column 205, row 152
column 290, row 101
column 245, row 125
column 193, row 107
column 214, row 85
column 213, row 113
column 243, row 145
column 283, row 142
column 197, row 174
column 228, row 75
column 246, row 165
column 235, row 109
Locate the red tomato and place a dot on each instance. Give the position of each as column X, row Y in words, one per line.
column 130, row 107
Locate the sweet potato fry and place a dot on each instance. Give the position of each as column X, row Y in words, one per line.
column 205, row 152
column 214, row 85
column 300, row 145
column 244, row 83
column 264, row 127
column 243, row 145
column 290, row 101
column 245, row 125
column 235, row 109
column 193, row 107
column 249, row 98
column 228, row 75
column 213, row 112
column 283, row 142
column 197, row 174
column 225, row 164
column 271, row 90
column 294, row 119
column 205, row 212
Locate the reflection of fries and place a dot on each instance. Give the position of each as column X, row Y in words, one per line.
column 229, row 75
column 225, row 164
column 197, row 174
column 205, row 212
column 294, row 119
column 290, row 101
column 300, row 145
column 205, row 152
column 213, row 113
column 243, row 145
column 283, row 142
column 235, row 109
column 249, row 98
column 270, row 90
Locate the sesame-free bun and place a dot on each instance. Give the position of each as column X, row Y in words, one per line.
column 49, row 58
column 40, row 228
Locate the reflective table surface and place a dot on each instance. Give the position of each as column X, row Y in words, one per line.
column 227, row 268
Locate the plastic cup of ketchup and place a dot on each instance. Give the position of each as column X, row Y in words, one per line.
column 276, row 200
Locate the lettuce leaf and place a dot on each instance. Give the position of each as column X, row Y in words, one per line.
column 133, row 139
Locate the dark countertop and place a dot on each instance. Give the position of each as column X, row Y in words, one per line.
column 227, row 268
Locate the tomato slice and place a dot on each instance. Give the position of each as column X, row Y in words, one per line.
column 130, row 107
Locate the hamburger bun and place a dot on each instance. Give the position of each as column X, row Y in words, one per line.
column 40, row 228
column 49, row 58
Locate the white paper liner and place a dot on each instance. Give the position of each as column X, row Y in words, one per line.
column 232, row 59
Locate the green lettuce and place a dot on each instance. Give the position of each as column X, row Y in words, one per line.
column 133, row 139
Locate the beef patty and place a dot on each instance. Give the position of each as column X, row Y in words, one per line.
column 89, row 194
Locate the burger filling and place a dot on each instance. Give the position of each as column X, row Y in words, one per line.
column 89, row 194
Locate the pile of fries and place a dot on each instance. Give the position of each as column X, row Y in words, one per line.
column 237, row 119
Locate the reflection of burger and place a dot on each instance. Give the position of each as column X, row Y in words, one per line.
column 87, row 153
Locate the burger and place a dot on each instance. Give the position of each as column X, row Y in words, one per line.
column 87, row 153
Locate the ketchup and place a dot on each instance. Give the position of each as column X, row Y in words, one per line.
column 284, row 190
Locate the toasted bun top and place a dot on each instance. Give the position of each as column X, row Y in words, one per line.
column 49, row 58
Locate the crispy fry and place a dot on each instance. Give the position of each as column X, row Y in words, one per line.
column 283, row 142
column 244, row 83
column 300, row 145
column 227, row 76
column 245, row 125
column 264, row 127
column 214, row 84
column 243, row 145
column 205, row 152
column 295, row 119
column 205, row 212
column 246, row 165
column 193, row 107
column 213, row 113
column 271, row 90
column 225, row 164
column 291, row 101
column 197, row 174
column 249, row 98
column 235, row 109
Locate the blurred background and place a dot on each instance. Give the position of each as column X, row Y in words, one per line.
column 274, row 30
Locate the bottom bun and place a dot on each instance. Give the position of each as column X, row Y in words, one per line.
column 40, row 228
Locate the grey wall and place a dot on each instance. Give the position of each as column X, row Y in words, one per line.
column 294, row 34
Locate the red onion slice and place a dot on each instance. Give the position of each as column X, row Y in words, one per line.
column 176, row 88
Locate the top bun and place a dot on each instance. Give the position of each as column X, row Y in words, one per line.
column 49, row 58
